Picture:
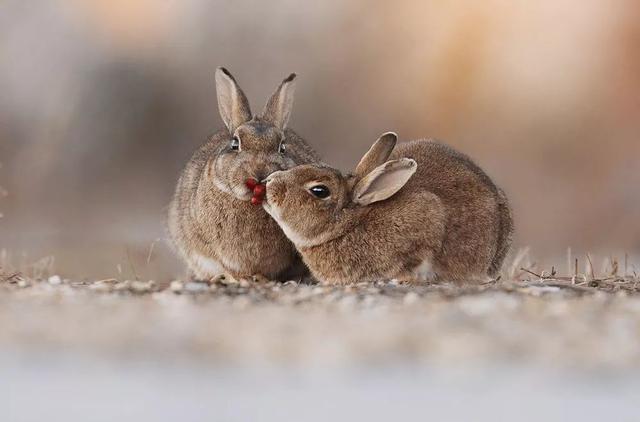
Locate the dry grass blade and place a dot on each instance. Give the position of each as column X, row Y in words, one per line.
column 10, row 277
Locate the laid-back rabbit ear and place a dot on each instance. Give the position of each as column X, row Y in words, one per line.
column 377, row 154
column 232, row 103
column 384, row 181
column 278, row 108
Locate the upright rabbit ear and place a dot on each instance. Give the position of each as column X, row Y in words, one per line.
column 384, row 181
column 377, row 154
column 278, row 108
column 232, row 103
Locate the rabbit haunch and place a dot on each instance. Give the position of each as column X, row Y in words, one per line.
column 427, row 213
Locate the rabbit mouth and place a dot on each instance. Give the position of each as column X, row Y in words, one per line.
column 268, row 203
column 271, row 209
column 237, row 190
column 240, row 191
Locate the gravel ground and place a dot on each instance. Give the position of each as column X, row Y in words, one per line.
column 537, row 322
column 543, row 348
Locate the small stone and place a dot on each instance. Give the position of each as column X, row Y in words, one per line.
column 347, row 302
column 55, row 280
column 23, row 283
column 410, row 298
column 122, row 285
column 101, row 286
column 318, row 290
column 195, row 287
column 138, row 286
column 241, row 302
column 176, row 286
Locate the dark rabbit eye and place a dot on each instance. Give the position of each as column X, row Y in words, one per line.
column 320, row 191
column 282, row 148
column 235, row 143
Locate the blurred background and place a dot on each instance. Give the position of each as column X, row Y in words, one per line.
column 103, row 102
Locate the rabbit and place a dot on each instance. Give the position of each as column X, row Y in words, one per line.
column 428, row 214
column 212, row 223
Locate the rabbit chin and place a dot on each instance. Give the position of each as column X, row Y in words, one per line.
column 295, row 237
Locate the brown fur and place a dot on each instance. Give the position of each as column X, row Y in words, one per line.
column 212, row 224
column 449, row 215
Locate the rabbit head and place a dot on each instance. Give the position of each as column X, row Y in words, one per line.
column 315, row 203
column 257, row 145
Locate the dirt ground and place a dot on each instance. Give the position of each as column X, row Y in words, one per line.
column 529, row 347
column 563, row 323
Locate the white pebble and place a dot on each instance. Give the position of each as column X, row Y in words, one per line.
column 410, row 298
column 55, row 280
column 142, row 286
column 100, row 286
column 176, row 286
column 194, row 287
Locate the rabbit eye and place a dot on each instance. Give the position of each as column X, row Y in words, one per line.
column 320, row 191
column 282, row 148
column 235, row 143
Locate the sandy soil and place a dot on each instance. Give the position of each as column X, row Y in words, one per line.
column 538, row 349
column 536, row 322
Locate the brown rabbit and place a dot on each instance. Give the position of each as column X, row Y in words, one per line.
column 212, row 224
column 428, row 214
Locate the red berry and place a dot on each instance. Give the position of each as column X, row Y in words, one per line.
column 256, row 200
column 260, row 190
column 251, row 183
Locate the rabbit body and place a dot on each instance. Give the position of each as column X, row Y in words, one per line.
column 212, row 224
column 447, row 222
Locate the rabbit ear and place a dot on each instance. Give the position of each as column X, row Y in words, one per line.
column 278, row 108
column 232, row 103
column 384, row 181
column 377, row 154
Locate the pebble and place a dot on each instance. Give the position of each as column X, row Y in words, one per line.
column 540, row 290
column 138, row 286
column 55, row 280
column 122, row 285
column 176, row 286
column 101, row 286
column 410, row 298
column 195, row 287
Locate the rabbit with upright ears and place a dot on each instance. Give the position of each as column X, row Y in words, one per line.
column 429, row 213
column 212, row 223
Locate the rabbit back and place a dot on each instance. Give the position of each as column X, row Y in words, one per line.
column 478, row 223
